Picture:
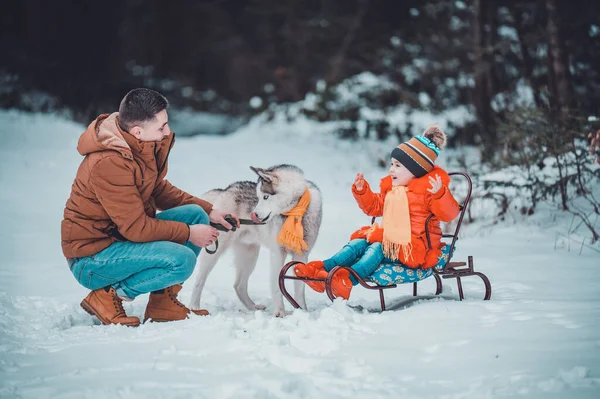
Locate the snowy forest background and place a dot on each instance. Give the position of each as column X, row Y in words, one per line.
column 519, row 80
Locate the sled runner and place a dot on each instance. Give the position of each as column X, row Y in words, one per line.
column 389, row 276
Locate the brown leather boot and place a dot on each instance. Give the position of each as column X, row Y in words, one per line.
column 164, row 306
column 105, row 304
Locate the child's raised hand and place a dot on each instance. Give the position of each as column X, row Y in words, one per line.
column 359, row 182
column 436, row 184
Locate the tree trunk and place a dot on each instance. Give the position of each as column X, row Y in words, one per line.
column 490, row 39
column 527, row 69
column 558, row 60
column 482, row 97
column 339, row 58
column 288, row 76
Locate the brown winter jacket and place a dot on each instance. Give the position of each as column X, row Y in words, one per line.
column 118, row 188
column 421, row 204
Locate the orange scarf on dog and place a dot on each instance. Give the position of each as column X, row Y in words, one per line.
column 291, row 234
column 396, row 224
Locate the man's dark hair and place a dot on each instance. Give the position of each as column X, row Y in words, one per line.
column 139, row 106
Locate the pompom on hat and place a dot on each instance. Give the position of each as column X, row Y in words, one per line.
column 419, row 153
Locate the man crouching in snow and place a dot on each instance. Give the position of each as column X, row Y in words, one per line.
column 115, row 243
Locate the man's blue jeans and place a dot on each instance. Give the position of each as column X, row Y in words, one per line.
column 134, row 268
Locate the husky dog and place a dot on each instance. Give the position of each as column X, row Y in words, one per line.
column 277, row 190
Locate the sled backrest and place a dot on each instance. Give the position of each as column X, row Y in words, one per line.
column 463, row 208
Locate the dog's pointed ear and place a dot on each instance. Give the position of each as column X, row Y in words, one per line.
column 263, row 174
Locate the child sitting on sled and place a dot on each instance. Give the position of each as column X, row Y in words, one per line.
column 414, row 189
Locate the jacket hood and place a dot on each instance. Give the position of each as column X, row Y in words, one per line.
column 104, row 134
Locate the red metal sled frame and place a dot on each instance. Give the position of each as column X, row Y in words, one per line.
column 455, row 270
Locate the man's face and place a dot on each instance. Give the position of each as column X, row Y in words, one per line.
column 153, row 130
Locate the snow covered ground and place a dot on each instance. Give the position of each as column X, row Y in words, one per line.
column 539, row 336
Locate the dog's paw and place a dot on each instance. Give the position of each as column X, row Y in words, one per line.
column 282, row 313
column 200, row 312
column 259, row 307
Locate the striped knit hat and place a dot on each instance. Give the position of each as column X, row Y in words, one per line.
column 419, row 153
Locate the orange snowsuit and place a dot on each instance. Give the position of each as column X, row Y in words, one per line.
column 421, row 205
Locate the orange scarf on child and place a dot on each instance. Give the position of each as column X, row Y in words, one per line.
column 396, row 224
column 291, row 234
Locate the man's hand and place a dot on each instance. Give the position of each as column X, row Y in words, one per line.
column 218, row 217
column 202, row 235
column 436, row 184
column 359, row 182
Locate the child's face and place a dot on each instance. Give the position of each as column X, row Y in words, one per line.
column 400, row 175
